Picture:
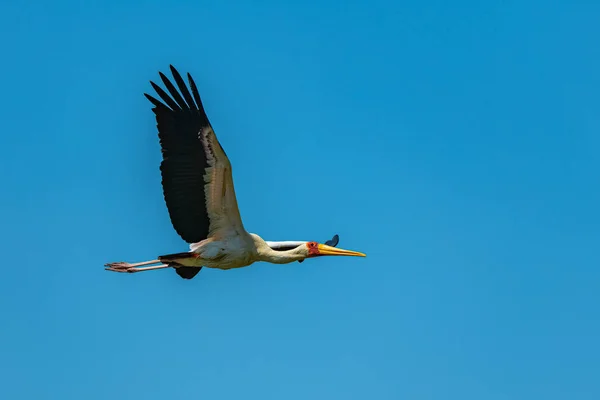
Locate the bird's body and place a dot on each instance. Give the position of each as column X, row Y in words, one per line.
column 234, row 252
column 200, row 197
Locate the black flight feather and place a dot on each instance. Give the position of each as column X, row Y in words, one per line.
column 174, row 93
column 184, row 90
column 184, row 157
column 163, row 95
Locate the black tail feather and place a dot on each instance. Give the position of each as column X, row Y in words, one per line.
column 182, row 271
column 187, row 272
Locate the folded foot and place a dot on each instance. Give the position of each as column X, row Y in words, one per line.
column 120, row 267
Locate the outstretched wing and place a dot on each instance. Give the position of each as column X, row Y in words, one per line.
column 196, row 173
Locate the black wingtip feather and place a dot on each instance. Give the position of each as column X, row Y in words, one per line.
column 183, row 88
column 176, row 96
column 195, row 92
column 166, row 98
column 156, row 103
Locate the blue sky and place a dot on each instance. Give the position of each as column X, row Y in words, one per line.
column 457, row 145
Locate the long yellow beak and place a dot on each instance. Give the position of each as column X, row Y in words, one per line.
column 325, row 250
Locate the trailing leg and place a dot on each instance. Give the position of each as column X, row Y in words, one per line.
column 131, row 268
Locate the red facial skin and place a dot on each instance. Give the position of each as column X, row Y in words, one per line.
column 313, row 249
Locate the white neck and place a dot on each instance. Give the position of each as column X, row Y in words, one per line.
column 266, row 253
column 280, row 257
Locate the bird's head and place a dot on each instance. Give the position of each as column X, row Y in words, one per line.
column 301, row 250
column 314, row 249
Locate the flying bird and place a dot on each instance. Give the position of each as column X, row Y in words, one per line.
column 198, row 191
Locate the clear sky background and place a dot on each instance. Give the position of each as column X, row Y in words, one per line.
column 457, row 145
